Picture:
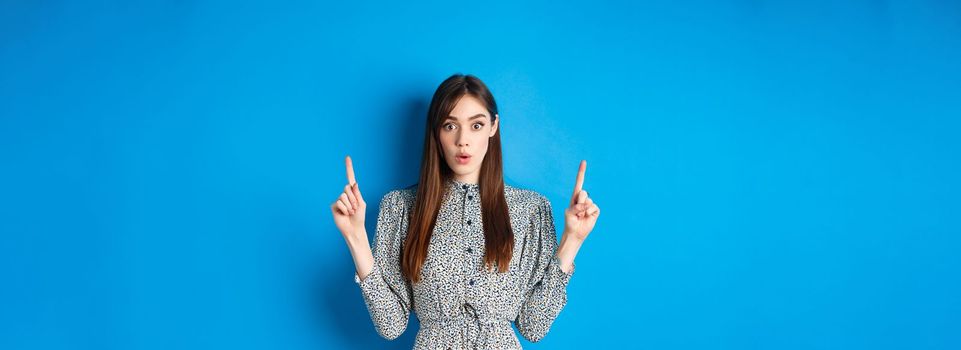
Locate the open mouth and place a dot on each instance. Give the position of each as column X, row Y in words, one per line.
column 463, row 159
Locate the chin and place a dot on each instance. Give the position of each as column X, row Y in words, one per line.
column 461, row 170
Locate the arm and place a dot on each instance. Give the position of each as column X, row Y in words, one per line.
column 548, row 295
column 547, row 288
column 386, row 292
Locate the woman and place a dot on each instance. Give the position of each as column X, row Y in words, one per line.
column 463, row 250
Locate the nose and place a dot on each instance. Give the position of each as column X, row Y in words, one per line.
column 461, row 139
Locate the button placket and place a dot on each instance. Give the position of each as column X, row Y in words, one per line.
column 466, row 240
column 469, row 238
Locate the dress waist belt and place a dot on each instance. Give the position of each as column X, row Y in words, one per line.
column 467, row 323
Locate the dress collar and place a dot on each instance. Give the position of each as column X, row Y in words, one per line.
column 461, row 186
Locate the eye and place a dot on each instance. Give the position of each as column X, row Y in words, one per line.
column 478, row 126
column 449, row 126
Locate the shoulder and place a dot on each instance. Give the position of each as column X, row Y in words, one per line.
column 393, row 216
column 517, row 196
column 530, row 211
column 401, row 197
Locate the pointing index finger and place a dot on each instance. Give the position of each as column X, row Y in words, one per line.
column 350, row 171
column 580, row 179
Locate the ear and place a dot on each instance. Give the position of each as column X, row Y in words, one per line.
column 497, row 121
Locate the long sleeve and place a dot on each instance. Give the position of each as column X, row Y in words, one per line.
column 387, row 294
column 546, row 291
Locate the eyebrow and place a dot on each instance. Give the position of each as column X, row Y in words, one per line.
column 478, row 115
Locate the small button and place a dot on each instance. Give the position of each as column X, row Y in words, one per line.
column 468, row 222
column 470, row 197
column 469, row 250
column 471, row 282
column 463, row 186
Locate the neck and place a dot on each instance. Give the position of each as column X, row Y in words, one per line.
column 469, row 178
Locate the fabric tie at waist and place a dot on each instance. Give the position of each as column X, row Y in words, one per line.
column 468, row 322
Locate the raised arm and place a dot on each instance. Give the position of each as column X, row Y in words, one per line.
column 579, row 219
column 349, row 210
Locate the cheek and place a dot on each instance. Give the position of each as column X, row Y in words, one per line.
column 482, row 142
column 447, row 144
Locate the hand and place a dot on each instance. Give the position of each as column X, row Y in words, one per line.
column 582, row 213
column 349, row 209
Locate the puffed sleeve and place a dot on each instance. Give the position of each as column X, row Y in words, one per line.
column 547, row 287
column 386, row 292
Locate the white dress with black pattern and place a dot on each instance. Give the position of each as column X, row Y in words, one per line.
column 461, row 305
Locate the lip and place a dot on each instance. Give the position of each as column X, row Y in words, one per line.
column 463, row 158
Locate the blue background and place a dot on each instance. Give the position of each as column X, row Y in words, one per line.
column 772, row 175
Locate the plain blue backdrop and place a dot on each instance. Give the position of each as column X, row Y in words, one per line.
column 773, row 175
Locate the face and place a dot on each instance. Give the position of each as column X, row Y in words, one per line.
column 464, row 136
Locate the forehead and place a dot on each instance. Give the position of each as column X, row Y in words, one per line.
column 468, row 106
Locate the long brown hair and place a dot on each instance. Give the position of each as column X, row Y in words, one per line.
column 434, row 171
